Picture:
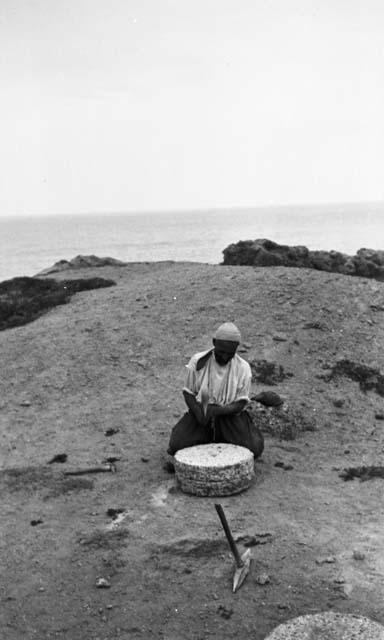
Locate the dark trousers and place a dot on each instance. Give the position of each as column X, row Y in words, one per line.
column 235, row 429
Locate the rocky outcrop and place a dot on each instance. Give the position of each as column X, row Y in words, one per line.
column 81, row 262
column 367, row 263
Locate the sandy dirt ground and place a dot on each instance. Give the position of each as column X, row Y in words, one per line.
column 113, row 359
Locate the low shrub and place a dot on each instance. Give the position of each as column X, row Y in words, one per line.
column 25, row 299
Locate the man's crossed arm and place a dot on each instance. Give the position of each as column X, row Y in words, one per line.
column 213, row 410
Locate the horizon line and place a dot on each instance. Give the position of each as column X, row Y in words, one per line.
column 215, row 209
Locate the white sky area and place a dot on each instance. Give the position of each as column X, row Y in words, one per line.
column 129, row 105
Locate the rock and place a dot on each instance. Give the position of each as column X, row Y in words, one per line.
column 81, row 262
column 114, row 513
column 224, row 612
column 262, row 579
column 372, row 255
column 315, row 325
column 327, row 560
column 282, row 465
column 367, row 263
column 379, row 416
column 102, row 583
column 252, row 541
column 59, row 457
column 111, row 432
column 327, row 625
column 268, row 399
column 358, row 555
column 338, row 402
column 279, row 338
column 25, row 403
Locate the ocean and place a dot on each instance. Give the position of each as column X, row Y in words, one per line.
column 30, row 244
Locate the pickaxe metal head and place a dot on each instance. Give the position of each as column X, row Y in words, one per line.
column 242, row 571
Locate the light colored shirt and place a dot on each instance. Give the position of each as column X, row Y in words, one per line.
column 219, row 384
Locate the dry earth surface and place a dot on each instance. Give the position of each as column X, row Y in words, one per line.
column 113, row 359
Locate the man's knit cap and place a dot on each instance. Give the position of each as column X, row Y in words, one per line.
column 228, row 332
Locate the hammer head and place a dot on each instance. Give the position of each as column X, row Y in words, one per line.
column 242, row 571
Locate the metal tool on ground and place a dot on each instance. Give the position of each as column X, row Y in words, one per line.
column 242, row 561
column 105, row 468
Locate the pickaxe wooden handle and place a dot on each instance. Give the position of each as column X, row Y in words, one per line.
column 231, row 542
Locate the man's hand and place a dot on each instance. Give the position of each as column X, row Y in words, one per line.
column 199, row 414
column 196, row 408
column 215, row 410
column 212, row 411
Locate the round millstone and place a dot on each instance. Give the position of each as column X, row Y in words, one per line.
column 214, row 469
column 328, row 626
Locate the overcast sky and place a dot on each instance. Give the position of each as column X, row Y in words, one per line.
column 122, row 105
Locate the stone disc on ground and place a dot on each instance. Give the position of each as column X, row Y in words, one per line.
column 328, row 626
column 217, row 469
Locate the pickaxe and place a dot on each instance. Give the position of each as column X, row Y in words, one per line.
column 242, row 561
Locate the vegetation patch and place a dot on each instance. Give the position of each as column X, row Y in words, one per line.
column 367, row 377
column 28, row 479
column 364, row 473
column 63, row 485
column 105, row 539
column 283, row 422
column 268, row 373
column 41, row 479
column 25, row 299
column 191, row 547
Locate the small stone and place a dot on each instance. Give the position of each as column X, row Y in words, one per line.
column 113, row 513
column 144, row 459
column 268, row 399
column 358, row 555
column 59, row 457
column 280, row 338
column 111, row 432
column 327, row 560
column 224, row 612
column 102, row 583
column 283, row 465
column 379, row 416
column 263, row 578
column 339, row 580
column 338, row 402
column 25, row 403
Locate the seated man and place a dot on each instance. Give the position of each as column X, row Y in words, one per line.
column 216, row 393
